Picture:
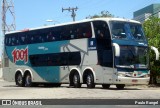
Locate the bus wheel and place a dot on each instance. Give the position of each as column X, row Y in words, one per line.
column 28, row 80
column 76, row 80
column 19, row 80
column 120, row 86
column 106, row 86
column 90, row 81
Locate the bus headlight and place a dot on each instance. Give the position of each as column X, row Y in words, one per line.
column 147, row 75
column 121, row 74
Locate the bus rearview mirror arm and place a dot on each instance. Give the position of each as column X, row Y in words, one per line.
column 117, row 49
column 156, row 52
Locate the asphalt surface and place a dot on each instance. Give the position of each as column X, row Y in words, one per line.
column 8, row 90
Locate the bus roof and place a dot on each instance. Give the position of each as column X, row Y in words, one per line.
column 85, row 20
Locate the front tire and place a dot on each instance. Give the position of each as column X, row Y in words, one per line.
column 19, row 80
column 90, row 81
column 106, row 86
column 28, row 80
column 76, row 81
column 120, row 86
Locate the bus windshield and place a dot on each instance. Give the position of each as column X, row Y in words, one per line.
column 127, row 30
column 132, row 57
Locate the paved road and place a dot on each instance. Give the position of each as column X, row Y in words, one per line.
column 8, row 90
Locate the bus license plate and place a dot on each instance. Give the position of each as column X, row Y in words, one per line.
column 135, row 81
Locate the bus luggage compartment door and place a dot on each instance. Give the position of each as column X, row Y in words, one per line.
column 107, row 75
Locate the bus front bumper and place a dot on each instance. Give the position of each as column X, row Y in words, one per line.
column 128, row 80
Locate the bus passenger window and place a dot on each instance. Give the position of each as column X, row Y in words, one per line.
column 79, row 33
column 41, row 39
column 50, row 37
column 71, row 34
column 36, row 39
column 8, row 40
column 88, row 33
column 14, row 41
column 31, row 39
column 22, row 39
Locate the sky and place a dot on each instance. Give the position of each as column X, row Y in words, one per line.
column 34, row 13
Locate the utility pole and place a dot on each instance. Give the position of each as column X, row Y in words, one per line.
column 7, row 24
column 73, row 15
column 8, row 9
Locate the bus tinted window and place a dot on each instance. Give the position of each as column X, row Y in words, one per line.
column 104, row 48
column 84, row 30
column 22, row 39
column 56, row 59
column 76, row 31
column 137, row 32
column 8, row 40
column 119, row 30
column 11, row 40
column 66, row 32
column 101, row 30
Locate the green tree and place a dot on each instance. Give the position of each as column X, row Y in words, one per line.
column 152, row 31
column 101, row 14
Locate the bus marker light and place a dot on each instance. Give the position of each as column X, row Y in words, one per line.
column 25, row 30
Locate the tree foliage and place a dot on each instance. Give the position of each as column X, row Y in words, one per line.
column 152, row 31
column 101, row 14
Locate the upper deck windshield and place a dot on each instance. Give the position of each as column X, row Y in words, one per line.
column 127, row 30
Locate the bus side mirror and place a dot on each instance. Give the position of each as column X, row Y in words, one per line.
column 156, row 52
column 117, row 49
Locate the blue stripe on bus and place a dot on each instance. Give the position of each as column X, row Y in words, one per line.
column 48, row 73
column 41, row 48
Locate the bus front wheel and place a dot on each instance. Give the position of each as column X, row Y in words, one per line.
column 19, row 80
column 28, row 80
column 120, row 86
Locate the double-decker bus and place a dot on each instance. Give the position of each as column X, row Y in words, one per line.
column 104, row 51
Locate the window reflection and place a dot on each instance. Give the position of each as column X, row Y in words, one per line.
column 66, row 32
column 127, row 30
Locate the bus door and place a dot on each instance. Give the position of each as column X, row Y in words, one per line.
column 104, row 50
